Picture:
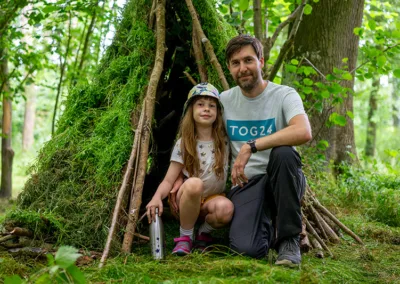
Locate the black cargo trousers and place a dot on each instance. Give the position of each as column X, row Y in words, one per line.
column 267, row 202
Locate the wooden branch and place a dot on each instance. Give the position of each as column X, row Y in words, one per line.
column 21, row 232
column 315, row 235
column 314, row 214
column 191, row 79
column 282, row 55
column 304, row 240
column 317, row 246
column 148, row 117
column 208, row 46
column 122, row 189
column 328, row 230
column 270, row 42
column 146, row 238
column 336, row 221
column 198, row 54
column 7, row 238
column 152, row 14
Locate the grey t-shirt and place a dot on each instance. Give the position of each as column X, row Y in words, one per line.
column 251, row 118
column 205, row 152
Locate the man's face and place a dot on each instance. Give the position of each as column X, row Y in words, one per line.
column 246, row 68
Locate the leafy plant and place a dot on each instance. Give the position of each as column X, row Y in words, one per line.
column 61, row 269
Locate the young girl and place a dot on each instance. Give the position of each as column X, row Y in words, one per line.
column 201, row 154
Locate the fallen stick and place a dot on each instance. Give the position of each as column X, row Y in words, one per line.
column 146, row 238
column 315, row 235
column 7, row 238
column 336, row 221
column 319, row 253
column 21, row 232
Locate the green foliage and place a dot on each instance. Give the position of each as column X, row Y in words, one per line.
column 61, row 269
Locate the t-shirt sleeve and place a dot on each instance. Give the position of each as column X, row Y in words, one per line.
column 292, row 105
column 176, row 155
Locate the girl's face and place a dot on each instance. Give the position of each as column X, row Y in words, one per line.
column 205, row 111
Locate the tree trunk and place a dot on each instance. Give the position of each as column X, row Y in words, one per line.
column 396, row 102
column 326, row 37
column 29, row 117
column 371, row 124
column 7, row 153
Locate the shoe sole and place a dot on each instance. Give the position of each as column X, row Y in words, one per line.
column 287, row 263
column 180, row 253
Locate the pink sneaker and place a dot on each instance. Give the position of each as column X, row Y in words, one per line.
column 203, row 241
column 183, row 246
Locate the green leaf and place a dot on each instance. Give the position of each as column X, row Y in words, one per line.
column 227, row 2
column 347, row 76
column 290, row 68
column 316, row 1
column 325, row 94
column 350, row 114
column 338, row 119
column 381, row 60
column 243, row 5
column 308, row 82
column 66, row 256
column 358, row 31
column 344, row 60
column 43, row 279
column 15, row 279
column 372, row 24
column 50, row 259
column 396, row 73
column 307, row 9
column 76, row 274
column 322, row 144
column 248, row 14
column 294, row 61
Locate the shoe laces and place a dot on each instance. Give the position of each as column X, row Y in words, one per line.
column 291, row 245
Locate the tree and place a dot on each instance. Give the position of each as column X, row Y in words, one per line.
column 8, row 12
column 329, row 49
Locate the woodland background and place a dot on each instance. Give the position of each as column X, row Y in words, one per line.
column 50, row 49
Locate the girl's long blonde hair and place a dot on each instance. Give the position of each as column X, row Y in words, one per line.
column 188, row 136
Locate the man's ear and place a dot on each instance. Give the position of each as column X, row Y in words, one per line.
column 262, row 62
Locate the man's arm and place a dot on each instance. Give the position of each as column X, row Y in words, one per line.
column 296, row 133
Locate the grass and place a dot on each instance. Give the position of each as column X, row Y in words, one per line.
column 376, row 262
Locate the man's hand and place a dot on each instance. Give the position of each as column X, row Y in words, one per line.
column 154, row 203
column 238, row 176
column 174, row 192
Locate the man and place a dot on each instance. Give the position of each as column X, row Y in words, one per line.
column 264, row 121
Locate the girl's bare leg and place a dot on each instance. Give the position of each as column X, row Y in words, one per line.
column 218, row 211
column 189, row 200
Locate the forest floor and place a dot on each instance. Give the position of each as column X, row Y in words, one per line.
column 376, row 262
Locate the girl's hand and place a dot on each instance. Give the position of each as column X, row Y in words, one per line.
column 151, row 209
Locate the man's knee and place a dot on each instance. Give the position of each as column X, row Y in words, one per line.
column 283, row 153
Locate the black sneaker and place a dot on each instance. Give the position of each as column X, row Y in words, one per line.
column 289, row 253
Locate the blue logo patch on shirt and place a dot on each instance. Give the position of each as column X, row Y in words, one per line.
column 244, row 130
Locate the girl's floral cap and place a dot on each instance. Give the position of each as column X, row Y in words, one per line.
column 202, row 89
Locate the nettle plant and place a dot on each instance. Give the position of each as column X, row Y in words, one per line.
column 326, row 92
column 61, row 269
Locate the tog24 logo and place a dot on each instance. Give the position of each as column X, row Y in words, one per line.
column 244, row 130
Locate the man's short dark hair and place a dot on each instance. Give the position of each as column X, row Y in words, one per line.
column 236, row 43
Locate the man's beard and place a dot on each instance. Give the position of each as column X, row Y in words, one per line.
column 249, row 84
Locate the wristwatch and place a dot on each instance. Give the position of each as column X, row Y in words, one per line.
column 252, row 144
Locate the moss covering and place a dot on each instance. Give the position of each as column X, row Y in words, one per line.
column 78, row 172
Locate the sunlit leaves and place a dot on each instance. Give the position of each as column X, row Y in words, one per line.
column 396, row 73
column 307, row 9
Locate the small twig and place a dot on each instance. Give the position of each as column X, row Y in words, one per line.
column 146, row 238
column 198, row 54
column 7, row 238
column 191, row 79
column 315, row 235
column 22, row 232
column 315, row 68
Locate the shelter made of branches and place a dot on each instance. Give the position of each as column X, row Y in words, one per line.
column 75, row 180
